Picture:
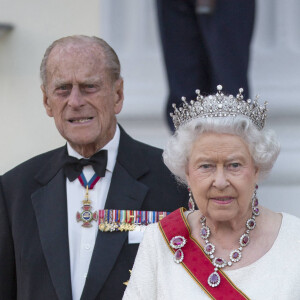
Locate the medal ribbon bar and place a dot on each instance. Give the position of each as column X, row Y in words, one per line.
column 128, row 220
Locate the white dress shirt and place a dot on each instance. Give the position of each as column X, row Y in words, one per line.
column 81, row 239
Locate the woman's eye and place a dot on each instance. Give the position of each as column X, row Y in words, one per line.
column 234, row 165
column 205, row 166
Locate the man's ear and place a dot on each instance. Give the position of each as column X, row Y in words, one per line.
column 46, row 102
column 118, row 95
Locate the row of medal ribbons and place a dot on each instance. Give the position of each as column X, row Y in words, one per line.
column 128, row 220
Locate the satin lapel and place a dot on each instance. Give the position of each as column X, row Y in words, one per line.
column 125, row 193
column 50, row 207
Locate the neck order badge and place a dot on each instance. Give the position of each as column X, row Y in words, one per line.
column 86, row 215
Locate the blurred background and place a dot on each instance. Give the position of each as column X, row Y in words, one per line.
column 28, row 27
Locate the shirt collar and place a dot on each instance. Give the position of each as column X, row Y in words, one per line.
column 112, row 150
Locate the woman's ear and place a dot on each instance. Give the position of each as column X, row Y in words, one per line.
column 257, row 172
column 187, row 177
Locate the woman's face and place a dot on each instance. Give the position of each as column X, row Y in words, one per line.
column 222, row 176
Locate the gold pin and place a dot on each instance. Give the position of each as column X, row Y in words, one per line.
column 126, row 282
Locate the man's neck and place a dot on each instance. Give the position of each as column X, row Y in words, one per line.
column 88, row 150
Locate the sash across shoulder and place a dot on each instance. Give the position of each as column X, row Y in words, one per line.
column 176, row 225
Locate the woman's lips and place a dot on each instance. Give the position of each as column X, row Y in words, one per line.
column 222, row 200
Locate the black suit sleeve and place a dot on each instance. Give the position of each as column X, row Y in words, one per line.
column 7, row 257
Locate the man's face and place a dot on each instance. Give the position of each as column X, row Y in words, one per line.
column 81, row 96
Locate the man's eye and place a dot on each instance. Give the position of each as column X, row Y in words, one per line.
column 64, row 87
column 89, row 88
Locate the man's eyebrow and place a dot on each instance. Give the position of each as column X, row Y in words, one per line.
column 91, row 80
column 60, row 82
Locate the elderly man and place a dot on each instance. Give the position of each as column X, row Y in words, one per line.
column 50, row 245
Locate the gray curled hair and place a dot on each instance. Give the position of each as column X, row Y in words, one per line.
column 111, row 58
column 263, row 145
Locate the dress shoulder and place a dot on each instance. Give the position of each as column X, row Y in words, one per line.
column 143, row 279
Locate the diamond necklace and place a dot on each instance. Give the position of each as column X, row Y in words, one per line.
column 235, row 255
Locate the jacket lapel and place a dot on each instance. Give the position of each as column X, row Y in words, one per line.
column 125, row 192
column 50, row 206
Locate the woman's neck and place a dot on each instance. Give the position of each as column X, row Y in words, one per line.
column 225, row 235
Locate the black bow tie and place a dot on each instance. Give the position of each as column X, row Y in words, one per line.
column 73, row 166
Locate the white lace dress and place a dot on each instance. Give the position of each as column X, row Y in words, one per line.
column 274, row 276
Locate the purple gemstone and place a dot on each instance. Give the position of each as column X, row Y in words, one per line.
column 256, row 210
column 255, row 203
column 177, row 241
column 245, row 240
column 178, row 254
column 203, row 232
column 208, row 248
column 214, row 278
column 219, row 261
column 251, row 223
column 235, row 255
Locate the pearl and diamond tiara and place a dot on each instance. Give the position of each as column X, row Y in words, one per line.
column 219, row 105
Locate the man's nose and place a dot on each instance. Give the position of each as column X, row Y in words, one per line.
column 220, row 179
column 76, row 99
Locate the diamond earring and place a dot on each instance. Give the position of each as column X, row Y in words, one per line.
column 255, row 208
column 191, row 203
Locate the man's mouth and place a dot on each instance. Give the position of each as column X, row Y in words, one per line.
column 80, row 120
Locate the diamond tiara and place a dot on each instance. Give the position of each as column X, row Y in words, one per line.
column 220, row 105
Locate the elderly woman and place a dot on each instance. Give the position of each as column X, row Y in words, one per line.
column 230, row 247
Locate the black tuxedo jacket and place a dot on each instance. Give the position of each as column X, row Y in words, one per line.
column 34, row 248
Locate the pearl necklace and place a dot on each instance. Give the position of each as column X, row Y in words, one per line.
column 236, row 254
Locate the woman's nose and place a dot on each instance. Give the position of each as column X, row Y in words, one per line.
column 220, row 179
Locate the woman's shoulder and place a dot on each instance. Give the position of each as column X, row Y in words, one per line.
column 152, row 234
column 152, row 229
column 290, row 222
column 155, row 234
column 288, row 234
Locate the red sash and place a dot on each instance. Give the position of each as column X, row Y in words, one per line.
column 195, row 261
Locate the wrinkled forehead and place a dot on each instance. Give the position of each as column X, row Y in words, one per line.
column 227, row 146
column 80, row 47
column 75, row 57
column 90, row 53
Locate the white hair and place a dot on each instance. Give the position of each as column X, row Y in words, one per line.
column 263, row 145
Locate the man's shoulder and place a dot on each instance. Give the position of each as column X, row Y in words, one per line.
column 148, row 149
column 35, row 163
column 134, row 154
column 129, row 143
